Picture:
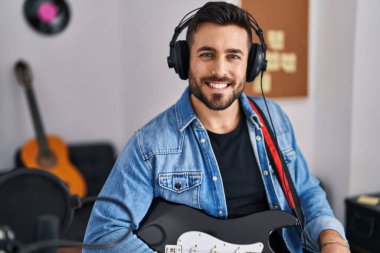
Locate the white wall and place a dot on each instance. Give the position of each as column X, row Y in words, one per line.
column 365, row 155
column 346, row 121
column 333, row 93
column 106, row 75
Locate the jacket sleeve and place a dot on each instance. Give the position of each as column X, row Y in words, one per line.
column 130, row 181
column 318, row 213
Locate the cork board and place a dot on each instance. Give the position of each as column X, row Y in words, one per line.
column 285, row 26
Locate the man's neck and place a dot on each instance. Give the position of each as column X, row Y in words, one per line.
column 223, row 121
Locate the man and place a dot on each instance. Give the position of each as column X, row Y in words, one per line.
column 211, row 141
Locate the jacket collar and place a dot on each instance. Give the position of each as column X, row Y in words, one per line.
column 184, row 111
column 249, row 112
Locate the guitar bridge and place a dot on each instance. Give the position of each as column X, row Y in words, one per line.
column 173, row 249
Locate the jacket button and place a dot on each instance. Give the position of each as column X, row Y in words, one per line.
column 265, row 173
column 177, row 186
column 258, row 137
column 203, row 140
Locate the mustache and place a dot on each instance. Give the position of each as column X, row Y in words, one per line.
column 217, row 79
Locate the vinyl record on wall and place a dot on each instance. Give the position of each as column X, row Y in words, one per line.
column 47, row 16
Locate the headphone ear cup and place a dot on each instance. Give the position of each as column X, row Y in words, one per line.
column 255, row 62
column 181, row 59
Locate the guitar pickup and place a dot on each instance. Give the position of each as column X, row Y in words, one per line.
column 173, row 249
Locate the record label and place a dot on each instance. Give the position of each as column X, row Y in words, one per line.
column 47, row 16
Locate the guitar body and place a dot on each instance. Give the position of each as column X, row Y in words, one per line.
column 177, row 229
column 59, row 164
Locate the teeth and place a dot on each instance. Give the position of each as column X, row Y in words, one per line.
column 218, row 85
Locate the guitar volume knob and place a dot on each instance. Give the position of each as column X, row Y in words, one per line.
column 195, row 249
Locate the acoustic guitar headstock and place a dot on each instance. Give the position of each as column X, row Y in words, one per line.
column 24, row 74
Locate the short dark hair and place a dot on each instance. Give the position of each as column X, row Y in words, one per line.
column 220, row 13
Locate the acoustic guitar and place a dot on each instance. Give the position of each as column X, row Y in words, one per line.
column 174, row 228
column 46, row 152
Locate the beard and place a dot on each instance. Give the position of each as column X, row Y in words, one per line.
column 216, row 101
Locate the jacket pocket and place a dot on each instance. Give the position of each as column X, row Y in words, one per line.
column 181, row 187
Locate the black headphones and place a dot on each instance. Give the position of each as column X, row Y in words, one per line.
column 179, row 51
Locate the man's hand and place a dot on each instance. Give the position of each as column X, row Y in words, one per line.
column 330, row 241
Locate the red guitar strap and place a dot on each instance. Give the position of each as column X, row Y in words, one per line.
column 279, row 165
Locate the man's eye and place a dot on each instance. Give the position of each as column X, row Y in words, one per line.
column 233, row 57
column 206, row 55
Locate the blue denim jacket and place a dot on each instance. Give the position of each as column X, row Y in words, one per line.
column 175, row 147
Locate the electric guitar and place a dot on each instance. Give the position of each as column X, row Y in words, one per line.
column 173, row 228
column 47, row 153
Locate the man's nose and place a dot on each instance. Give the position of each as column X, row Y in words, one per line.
column 219, row 67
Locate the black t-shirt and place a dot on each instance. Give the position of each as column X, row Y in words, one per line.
column 243, row 185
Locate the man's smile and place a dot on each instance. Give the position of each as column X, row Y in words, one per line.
column 218, row 85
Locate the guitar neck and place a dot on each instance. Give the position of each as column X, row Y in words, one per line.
column 37, row 122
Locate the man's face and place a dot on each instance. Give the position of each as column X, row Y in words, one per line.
column 218, row 63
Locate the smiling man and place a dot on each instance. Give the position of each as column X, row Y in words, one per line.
column 218, row 67
column 217, row 74
column 208, row 152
